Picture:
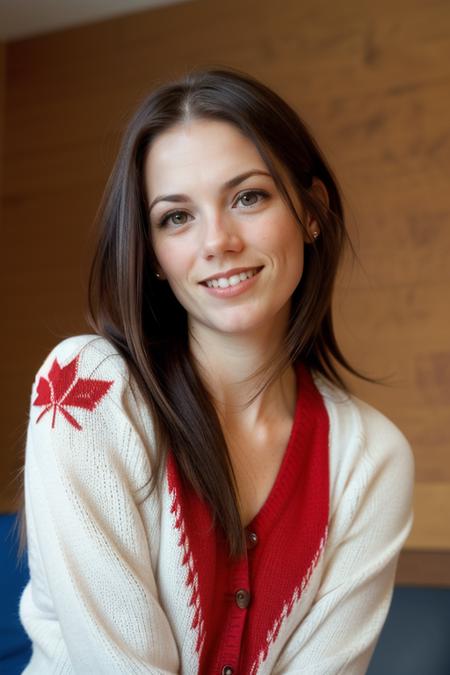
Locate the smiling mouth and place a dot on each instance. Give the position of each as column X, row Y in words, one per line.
column 233, row 280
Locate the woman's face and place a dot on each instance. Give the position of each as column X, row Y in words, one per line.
column 225, row 240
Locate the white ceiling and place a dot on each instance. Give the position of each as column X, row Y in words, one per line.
column 23, row 18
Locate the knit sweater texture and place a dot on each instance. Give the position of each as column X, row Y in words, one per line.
column 124, row 582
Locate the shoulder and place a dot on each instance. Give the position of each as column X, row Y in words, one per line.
column 368, row 452
column 89, row 352
column 354, row 420
column 85, row 404
column 81, row 370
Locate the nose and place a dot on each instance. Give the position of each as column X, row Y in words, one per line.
column 220, row 235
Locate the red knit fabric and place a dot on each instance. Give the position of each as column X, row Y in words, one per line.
column 291, row 529
column 64, row 389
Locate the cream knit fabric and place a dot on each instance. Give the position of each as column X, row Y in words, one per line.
column 108, row 592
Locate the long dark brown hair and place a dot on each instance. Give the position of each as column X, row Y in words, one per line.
column 141, row 316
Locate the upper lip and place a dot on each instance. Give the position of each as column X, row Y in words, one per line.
column 229, row 273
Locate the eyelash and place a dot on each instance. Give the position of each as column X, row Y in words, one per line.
column 260, row 193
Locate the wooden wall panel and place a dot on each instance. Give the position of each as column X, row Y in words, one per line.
column 2, row 114
column 3, row 468
column 373, row 83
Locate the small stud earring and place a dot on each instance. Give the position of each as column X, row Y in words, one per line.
column 315, row 234
column 157, row 275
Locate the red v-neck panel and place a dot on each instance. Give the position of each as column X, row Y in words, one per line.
column 271, row 504
column 240, row 605
column 292, row 530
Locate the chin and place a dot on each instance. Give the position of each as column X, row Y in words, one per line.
column 242, row 326
column 245, row 320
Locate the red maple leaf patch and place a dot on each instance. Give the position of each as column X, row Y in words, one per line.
column 63, row 388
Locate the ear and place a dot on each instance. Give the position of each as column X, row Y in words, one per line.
column 319, row 192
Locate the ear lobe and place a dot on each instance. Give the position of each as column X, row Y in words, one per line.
column 313, row 230
column 319, row 192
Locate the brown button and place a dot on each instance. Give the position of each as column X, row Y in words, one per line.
column 252, row 539
column 227, row 670
column 242, row 598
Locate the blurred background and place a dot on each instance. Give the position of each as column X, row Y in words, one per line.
column 371, row 80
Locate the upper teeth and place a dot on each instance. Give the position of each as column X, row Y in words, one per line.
column 224, row 282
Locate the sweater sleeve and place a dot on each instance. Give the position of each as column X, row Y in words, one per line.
column 91, row 605
column 370, row 519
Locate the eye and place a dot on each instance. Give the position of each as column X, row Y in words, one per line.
column 251, row 197
column 174, row 218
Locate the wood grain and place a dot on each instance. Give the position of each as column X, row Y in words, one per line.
column 372, row 82
column 431, row 533
column 424, row 568
column 2, row 112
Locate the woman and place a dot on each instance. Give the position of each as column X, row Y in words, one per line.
column 202, row 494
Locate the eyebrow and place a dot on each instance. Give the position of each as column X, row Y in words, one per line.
column 226, row 186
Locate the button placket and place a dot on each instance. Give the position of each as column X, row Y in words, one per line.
column 238, row 598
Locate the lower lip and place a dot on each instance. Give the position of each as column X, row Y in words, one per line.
column 232, row 291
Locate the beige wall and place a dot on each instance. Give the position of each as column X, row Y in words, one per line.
column 372, row 82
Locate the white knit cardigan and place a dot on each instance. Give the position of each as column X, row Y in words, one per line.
column 107, row 592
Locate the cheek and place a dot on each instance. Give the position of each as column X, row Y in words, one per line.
column 171, row 259
column 285, row 241
column 293, row 253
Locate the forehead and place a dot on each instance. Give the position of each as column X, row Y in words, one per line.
column 200, row 150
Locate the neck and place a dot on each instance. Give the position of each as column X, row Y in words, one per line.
column 229, row 367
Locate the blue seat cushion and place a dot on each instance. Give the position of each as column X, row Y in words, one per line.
column 415, row 639
column 15, row 646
